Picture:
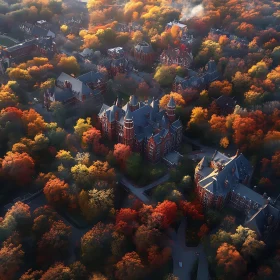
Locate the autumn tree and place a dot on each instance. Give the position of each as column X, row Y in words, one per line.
column 56, row 192
column 82, row 126
column 54, row 244
column 258, row 70
column 96, row 245
column 168, row 210
column 33, row 122
column 176, row 97
column 230, row 262
column 198, row 116
column 158, row 257
column 19, row 167
column 102, row 171
column 218, row 88
column 96, row 203
column 32, row 275
column 165, row 75
column 192, row 209
column 126, row 221
column 122, row 153
column 58, row 271
column 130, row 267
column 11, row 257
column 68, row 65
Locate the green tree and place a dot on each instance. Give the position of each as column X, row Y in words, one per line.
column 165, row 75
column 133, row 166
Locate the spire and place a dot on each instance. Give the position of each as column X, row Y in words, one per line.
column 128, row 115
column 133, row 100
column 171, row 103
column 118, row 102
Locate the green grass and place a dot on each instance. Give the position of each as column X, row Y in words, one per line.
column 6, row 42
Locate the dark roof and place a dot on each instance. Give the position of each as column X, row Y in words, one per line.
column 133, row 100
column 144, row 47
column 128, row 115
column 225, row 102
column 171, row 103
column 21, row 45
column 91, row 77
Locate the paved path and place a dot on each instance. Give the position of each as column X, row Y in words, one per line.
column 139, row 191
column 187, row 255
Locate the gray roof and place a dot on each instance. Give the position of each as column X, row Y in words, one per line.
column 128, row 115
column 77, row 85
column 91, row 77
column 133, row 100
column 171, row 103
column 177, row 124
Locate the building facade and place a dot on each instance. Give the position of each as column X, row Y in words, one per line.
column 143, row 126
column 224, row 181
column 176, row 57
column 144, row 53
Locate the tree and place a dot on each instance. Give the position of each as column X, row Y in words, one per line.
column 90, row 41
column 81, row 174
column 224, row 142
column 192, row 209
column 258, row 70
column 218, row 124
column 158, row 258
column 19, row 167
column 198, row 116
column 230, row 261
column 130, row 267
column 82, row 126
column 65, row 158
column 133, row 166
column 102, row 171
column 165, row 75
column 217, row 88
column 176, row 97
column 209, row 49
column 122, row 153
column 79, row 271
column 203, row 230
column 58, row 111
column 96, row 244
column 32, row 275
column 56, row 192
column 55, row 243
column 33, row 122
column 7, row 99
column 253, row 97
column 91, row 137
column 126, row 220
column 64, row 28
column 11, row 257
column 241, row 235
column 98, row 276
column 275, row 162
column 69, row 65
column 18, row 74
column 96, row 203
column 228, row 223
column 146, row 237
column 252, row 248
column 168, row 210
column 58, row 271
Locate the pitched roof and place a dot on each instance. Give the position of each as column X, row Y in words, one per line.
column 133, row 100
column 91, row 77
column 144, row 47
column 171, row 103
column 128, row 115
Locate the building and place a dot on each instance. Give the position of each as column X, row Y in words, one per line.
column 36, row 31
column 224, row 181
column 176, row 57
column 38, row 46
column 182, row 26
column 198, row 80
column 117, row 62
column 144, row 53
column 86, row 53
column 71, row 90
column 143, row 126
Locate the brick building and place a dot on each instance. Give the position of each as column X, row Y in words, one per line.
column 143, row 126
column 144, row 53
column 224, row 181
column 38, row 46
column 177, row 57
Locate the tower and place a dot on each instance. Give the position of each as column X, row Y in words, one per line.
column 128, row 130
column 118, row 102
column 133, row 103
column 170, row 112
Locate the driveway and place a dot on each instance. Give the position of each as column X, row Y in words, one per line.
column 186, row 255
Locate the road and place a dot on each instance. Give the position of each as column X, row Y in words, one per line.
column 187, row 255
column 139, row 191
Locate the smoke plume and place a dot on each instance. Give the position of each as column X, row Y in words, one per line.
column 190, row 11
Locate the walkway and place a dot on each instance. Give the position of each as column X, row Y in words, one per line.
column 139, row 191
column 187, row 255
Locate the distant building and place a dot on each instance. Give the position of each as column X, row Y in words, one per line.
column 86, row 53
column 36, row 31
column 71, row 90
column 197, row 79
column 224, row 181
column 182, row 26
column 117, row 62
column 176, row 57
column 144, row 53
column 143, row 126
column 44, row 46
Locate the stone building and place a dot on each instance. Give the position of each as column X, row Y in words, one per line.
column 143, row 126
column 177, row 57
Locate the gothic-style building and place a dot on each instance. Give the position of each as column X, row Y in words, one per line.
column 224, row 181
column 177, row 57
column 143, row 126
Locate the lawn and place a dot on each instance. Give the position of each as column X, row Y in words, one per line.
column 6, row 42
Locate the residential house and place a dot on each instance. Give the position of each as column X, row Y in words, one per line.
column 177, row 57
column 143, row 126
column 199, row 79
